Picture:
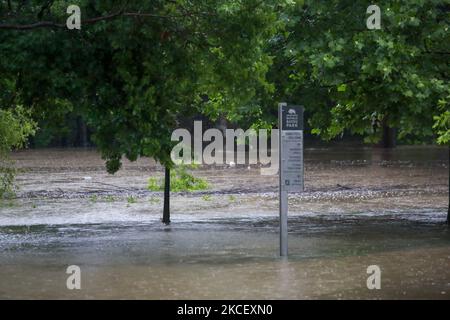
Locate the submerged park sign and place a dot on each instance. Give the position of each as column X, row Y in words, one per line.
column 291, row 162
column 291, row 148
column 284, row 156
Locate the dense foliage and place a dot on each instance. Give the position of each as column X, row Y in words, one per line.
column 352, row 78
column 15, row 128
column 134, row 75
column 136, row 67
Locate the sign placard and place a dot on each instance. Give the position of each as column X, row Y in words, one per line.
column 291, row 148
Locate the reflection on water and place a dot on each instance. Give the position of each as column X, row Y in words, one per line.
column 229, row 258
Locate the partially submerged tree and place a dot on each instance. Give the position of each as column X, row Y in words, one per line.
column 135, row 66
column 364, row 81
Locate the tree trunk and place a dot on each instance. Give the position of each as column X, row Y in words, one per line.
column 166, row 210
column 82, row 133
column 389, row 137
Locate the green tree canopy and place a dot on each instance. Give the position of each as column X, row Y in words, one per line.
column 135, row 67
column 350, row 77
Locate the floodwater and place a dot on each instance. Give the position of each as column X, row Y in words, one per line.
column 359, row 208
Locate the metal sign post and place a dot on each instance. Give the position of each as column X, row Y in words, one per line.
column 291, row 162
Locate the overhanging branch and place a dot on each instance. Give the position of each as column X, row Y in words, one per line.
column 52, row 24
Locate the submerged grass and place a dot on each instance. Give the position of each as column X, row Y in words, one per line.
column 131, row 200
column 207, row 197
column 180, row 180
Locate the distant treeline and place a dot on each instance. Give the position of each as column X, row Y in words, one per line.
column 71, row 130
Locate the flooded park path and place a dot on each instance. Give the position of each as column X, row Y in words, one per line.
column 360, row 207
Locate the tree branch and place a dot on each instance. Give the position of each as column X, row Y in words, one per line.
column 437, row 52
column 52, row 24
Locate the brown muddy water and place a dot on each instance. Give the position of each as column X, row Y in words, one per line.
column 360, row 207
